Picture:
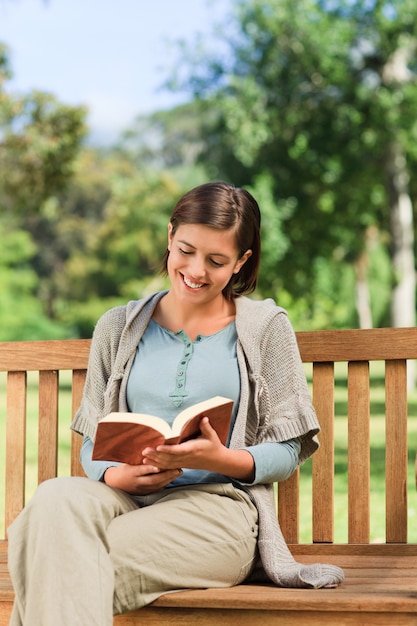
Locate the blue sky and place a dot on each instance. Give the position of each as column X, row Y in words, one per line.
column 111, row 55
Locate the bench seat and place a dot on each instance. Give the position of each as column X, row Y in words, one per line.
column 378, row 590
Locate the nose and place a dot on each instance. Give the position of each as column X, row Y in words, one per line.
column 196, row 267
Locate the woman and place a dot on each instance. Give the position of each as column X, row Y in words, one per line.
column 198, row 514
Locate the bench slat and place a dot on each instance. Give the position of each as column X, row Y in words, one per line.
column 374, row 344
column 396, row 453
column 323, row 460
column 341, row 552
column 78, row 380
column 15, row 445
column 358, row 452
column 262, row 617
column 48, row 425
column 44, row 355
column 289, row 507
column 356, row 596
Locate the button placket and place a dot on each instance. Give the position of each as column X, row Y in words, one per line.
column 177, row 396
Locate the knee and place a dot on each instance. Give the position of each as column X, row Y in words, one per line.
column 54, row 489
column 47, row 503
column 56, row 493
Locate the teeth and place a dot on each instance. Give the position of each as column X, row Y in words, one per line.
column 192, row 285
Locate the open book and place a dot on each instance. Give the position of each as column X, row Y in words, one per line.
column 122, row 436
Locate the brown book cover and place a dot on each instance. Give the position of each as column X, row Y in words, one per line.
column 122, row 436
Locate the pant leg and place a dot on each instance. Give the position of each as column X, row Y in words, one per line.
column 191, row 537
column 203, row 536
column 59, row 554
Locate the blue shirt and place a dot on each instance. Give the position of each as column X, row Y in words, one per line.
column 171, row 372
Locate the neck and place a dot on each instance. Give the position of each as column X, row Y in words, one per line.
column 205, row 319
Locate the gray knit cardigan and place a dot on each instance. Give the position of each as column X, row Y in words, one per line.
column 274, row 405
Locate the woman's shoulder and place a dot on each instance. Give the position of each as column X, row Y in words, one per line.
column 123, row 312
column 260, row 321
column 114, row 320
column 111, row 317
column 257, row 310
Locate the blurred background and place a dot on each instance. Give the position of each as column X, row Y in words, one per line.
column 110, row 111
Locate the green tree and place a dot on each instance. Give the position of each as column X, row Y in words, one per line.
column 165, row 140
column 118, row 256
column 21, row 312
column 39, row 141
column 321, row 97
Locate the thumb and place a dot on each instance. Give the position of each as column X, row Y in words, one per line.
column 206, row 428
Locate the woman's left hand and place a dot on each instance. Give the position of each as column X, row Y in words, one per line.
column 206, row 452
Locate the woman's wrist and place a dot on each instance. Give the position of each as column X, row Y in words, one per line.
column 238, row 464
column 107, row 475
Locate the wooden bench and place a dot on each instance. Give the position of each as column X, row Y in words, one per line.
column 381, row 577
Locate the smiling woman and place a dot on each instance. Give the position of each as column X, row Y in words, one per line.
column 210, row 501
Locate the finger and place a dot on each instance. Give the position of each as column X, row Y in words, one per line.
column 150, row 463
column 148, row 468
column 168, row 464
column 163, row 478
column 166, row 452
column 148, row 452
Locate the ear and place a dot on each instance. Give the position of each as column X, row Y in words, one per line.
column 241, row 262
column 170, row 235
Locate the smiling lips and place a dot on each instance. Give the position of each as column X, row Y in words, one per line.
column 191, row 284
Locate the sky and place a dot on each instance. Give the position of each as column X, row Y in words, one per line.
column 110, row 55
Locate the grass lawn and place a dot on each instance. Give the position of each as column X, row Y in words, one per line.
column 377, row 454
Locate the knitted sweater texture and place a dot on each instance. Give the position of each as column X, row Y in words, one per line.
column 274, row 405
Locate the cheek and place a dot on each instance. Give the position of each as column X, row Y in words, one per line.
column 174, row 259
column 227, row 276
column 170, row 264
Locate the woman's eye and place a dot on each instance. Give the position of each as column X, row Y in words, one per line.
column 212, row 261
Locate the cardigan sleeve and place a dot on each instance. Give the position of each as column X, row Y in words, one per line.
column 102, row 356
column 285, row 408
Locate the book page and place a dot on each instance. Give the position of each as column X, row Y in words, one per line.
column 217, row 409
column 140, row 418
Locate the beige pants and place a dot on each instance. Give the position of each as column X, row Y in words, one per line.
column 82, row 551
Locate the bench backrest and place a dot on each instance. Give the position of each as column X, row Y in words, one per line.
column 322, row 349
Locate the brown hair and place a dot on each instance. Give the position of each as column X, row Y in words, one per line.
column 223, row 206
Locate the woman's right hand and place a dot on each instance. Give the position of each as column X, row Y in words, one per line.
column 139, row 480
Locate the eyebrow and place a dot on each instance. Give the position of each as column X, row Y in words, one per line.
column 225, row 256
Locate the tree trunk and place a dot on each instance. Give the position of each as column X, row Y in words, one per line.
column 363, row 299
column 403, row 303
column 403, row 300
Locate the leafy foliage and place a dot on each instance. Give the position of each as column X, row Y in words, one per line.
column 307, row 103
column 39, row 139
column 315, row 95
column 20, row 313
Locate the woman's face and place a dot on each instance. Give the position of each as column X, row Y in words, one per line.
column 201, row 261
